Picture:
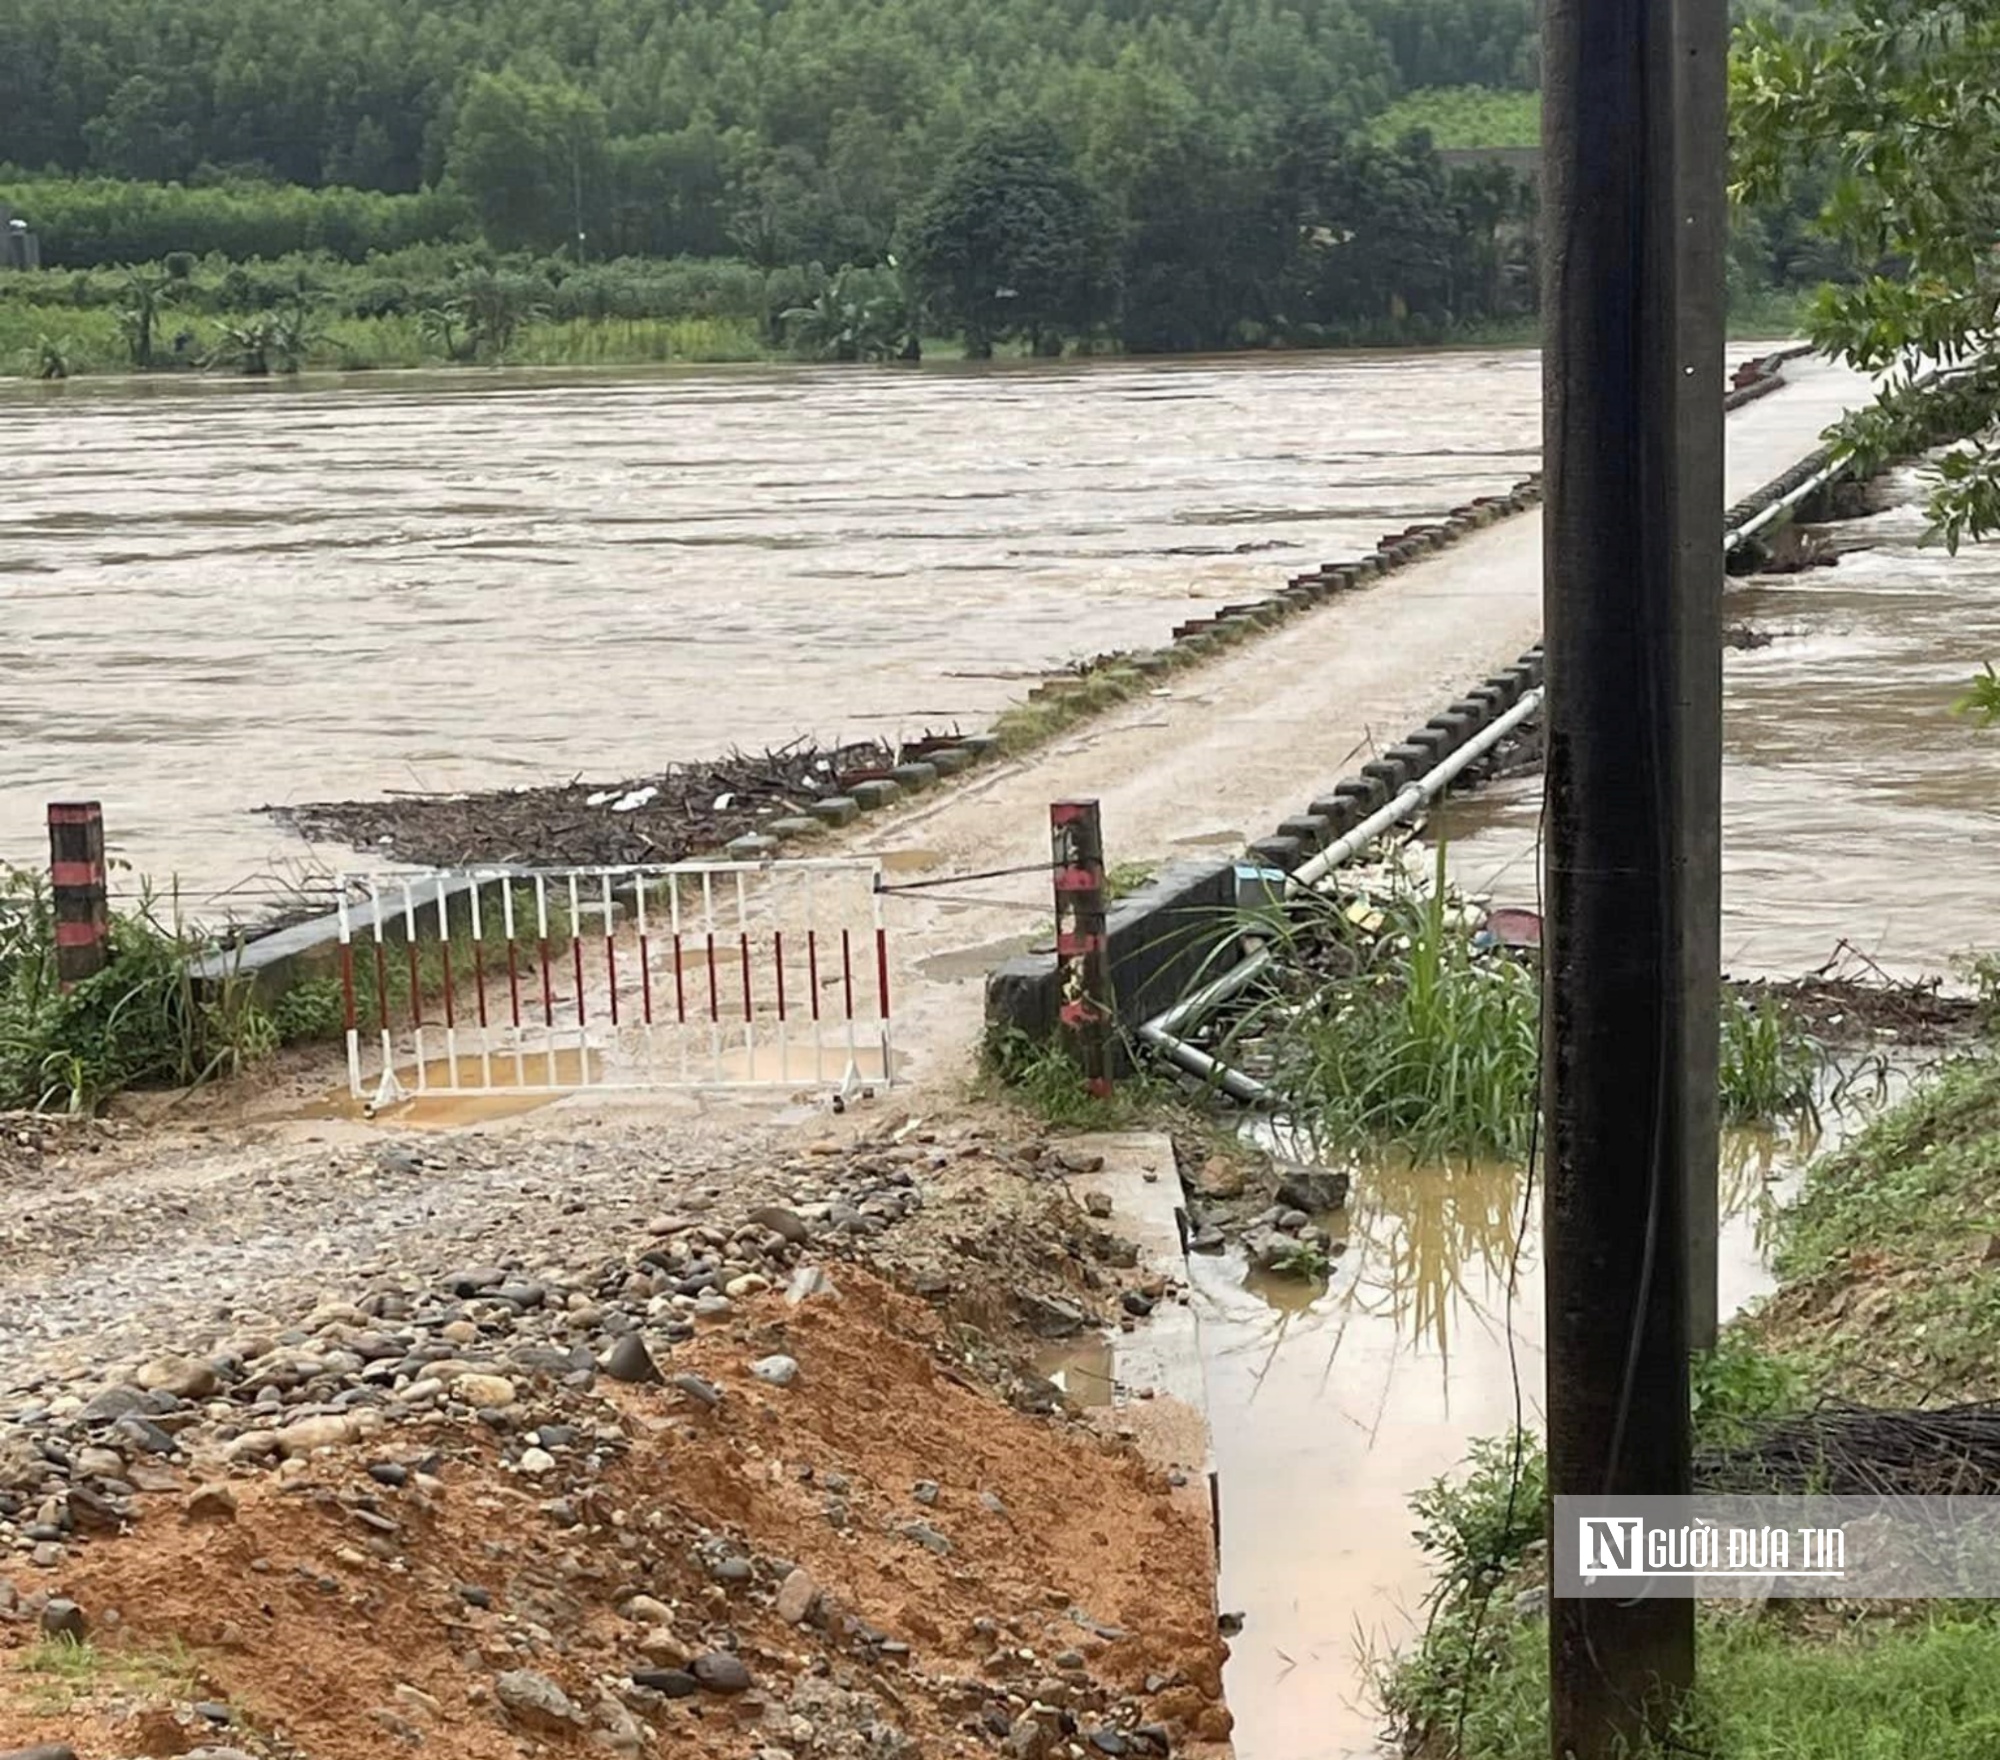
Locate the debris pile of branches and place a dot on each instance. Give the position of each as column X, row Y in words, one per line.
column 1865, row 1451
column 671, row 815
column 1852, row 1000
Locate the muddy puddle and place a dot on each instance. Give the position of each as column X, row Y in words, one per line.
column 1856, row 807
column 1331, row 1402
column 324, row 591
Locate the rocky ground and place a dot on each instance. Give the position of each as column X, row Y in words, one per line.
column 544, row 1440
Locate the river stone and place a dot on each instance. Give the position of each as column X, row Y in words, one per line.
column 778, row 1371
column 99, row 1463
column 331, row 1431
column 484, row 1393
column 143, row 1434
column 787, row 1223
column 698, row 1389
column 535, row 1700
column 212, row 1503
column 796, row 1596
column 112, row 1404
column 1314, row 1189
column 183, row 1377
column 647, row 1611
column 673, row 1683
column 629, row 1360
column 62, row 1618
column 721, row 1672
column 43, row 1751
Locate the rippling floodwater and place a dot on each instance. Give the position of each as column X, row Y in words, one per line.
column 219, row 596
column 1856, row 806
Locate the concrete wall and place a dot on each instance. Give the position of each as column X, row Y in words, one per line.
column 1161, row 936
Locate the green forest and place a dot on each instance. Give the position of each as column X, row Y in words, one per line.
column 367, row 183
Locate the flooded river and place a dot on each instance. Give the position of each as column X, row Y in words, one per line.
column 224, row 595
column 1856, row 807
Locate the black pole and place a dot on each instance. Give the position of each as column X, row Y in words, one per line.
column 1701, row 50
column 1615, row 594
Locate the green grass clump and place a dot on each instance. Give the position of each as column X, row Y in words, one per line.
column 1769, row 1065
column 64, row 1671
column 1870, row 1691
column 1888, row 1283
column 1433, row 1045
column 141, row 1021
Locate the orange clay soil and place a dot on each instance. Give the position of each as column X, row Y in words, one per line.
column 1081, row 1580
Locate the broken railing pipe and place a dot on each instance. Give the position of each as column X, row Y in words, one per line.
column 1162, row 1033
column 1758, row 521
column 1426, row 788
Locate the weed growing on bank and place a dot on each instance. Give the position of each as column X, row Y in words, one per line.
column 1383, row 1021
column 141, row 1021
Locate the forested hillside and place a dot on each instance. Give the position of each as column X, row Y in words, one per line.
column 1151, row 174
column 864, row 93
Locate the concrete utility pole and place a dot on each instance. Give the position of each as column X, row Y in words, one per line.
column 1633, row 731
column 1701, row 56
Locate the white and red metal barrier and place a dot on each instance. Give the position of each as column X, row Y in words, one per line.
column 547, row 980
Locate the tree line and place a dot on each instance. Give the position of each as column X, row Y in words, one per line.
column 786, row 130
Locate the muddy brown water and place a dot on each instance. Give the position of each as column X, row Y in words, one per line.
column 1330, row 1403
column 1856, row 807
column 225, row 595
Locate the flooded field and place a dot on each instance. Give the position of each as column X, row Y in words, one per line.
column 222, row 596
column 1856, row 807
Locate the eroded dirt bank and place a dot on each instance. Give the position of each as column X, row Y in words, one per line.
column 749, row 1468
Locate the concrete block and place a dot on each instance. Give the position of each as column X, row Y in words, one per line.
column 752, row 846
column 950, row 760
column 1279, row 852
column 870, row 796
column 1508, row 686
column 1454, row 726
column 837, row 809
column 1392, row 773
column 797, row 826
column 1160, row 937
column 915, row 776
column 1367, row 792
column 1414, row 758
column 1342, row 812
column 980, row 745
column 1433, row 742
column 1311, row 829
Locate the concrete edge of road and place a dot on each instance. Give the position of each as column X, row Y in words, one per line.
column 1164, row 936
column 1157, row 1365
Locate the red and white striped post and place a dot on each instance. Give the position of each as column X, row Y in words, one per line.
column 77, row 888
column 1083, row 954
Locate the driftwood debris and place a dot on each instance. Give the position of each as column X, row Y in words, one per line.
column 671, row 815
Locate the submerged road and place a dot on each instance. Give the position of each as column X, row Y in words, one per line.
column 1227, row 749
